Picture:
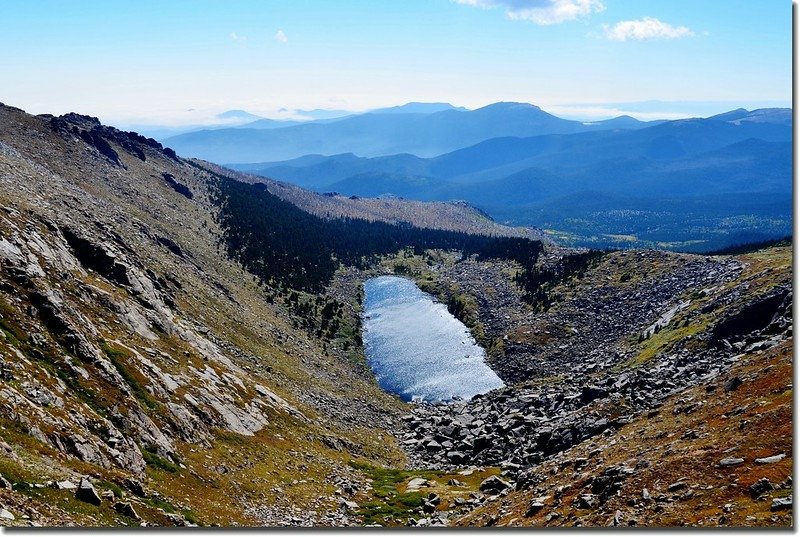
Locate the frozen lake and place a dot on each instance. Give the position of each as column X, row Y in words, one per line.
column 416, row 348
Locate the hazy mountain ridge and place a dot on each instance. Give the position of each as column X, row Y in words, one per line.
column 376, row 133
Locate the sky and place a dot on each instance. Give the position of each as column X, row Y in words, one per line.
column 173, row 62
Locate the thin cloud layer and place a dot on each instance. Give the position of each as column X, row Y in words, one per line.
column 280, row 36
column 645, row 28
column 542, row 12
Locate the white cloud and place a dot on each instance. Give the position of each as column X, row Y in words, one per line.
column 542, row 12
column 645, row 28
column 237, row 37
column 280, row 36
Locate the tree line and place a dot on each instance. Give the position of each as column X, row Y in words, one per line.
column 287, row 247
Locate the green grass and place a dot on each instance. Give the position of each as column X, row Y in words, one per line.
column 390, row 504
column 386, row 513
column 191, row 517
column 160, row 503
column 117, row 358
column 664, row 339
column 159, row 462
column 9, row 327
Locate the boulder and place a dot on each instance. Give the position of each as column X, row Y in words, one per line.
column 592, row 393
column 770, row 460
column 587, row 501
column 457, row 457
column 779, row 504
column 126, row 509
column 494, row 485
column 417, row 483
column 66, row 485
column 536, row 505
column 347, row 504
column 733, row 384
column 760, row 487
column 87, row 493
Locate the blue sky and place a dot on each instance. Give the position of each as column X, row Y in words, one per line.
column 181, row 61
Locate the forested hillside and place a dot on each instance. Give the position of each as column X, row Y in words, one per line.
column 286, row 246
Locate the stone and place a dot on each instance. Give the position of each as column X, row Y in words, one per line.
column 731, row 461
column 552, row 516
column 175, row 519
column 87, row 493
column 778, row 504
column 771, row 460
column 760, row 487
column 536, row 505
column 433, row 445
column 135, row 486
column 5, row 483
column 5, row 514
column 457, row 457
column 66, row 485
column 678, row 485
column 586, row 501
column 456, row 483
column 733, row 384
column 126, row 509
column 481, row 442
column 347, row 504
column 428, row 508
column 592, row 393
column 494, row 485
column 417, row 483
column 434, row 498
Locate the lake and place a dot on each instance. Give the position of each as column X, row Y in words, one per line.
column 416, row 348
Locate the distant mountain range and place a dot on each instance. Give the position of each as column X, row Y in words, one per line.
column 421, row 129
column 593, row 184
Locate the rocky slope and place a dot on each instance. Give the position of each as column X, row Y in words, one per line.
column 134, row 354
column 147, row 379
column 678, row 340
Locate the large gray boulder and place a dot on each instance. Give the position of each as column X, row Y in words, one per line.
column 87, row 493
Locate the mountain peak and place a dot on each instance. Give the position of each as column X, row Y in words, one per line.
column 511, row 106
column 241, row 115
column 417, row 108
